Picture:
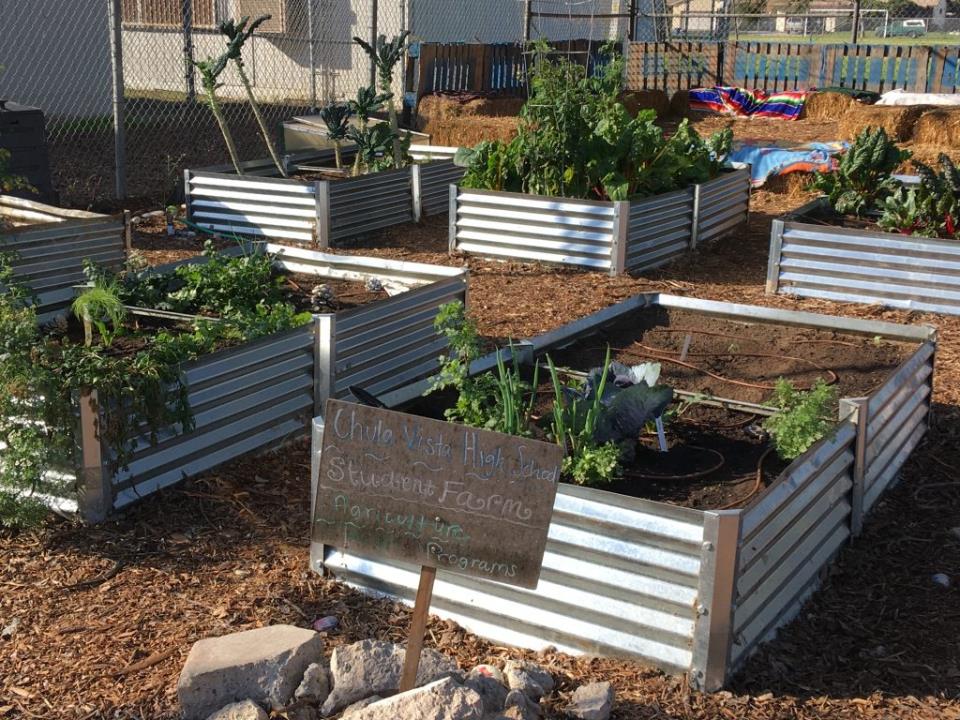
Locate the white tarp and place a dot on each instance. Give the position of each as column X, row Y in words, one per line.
column 899, row 97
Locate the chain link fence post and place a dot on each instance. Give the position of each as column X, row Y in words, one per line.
column 119, row 104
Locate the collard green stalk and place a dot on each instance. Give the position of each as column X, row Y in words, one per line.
column 337, row 119
column 210, row 71
column 238, row 33
column 385, row 57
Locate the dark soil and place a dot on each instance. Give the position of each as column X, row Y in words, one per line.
column 741, row 361
column 347, row 293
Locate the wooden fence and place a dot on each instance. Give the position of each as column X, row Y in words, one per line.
column 672, row 66
column 474, row 67
column 773, row 66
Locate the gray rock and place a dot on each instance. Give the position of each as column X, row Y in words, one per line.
column 10, row 630
column 518, row 699
column 519, row 713
column 263, row 665
column 528, row 677
column 493, row 694
column 488, row 671
column 359, row 705
column 372, row 667
column 591, row 702
column 315, row 686
column 244, row 710
column 441, row 700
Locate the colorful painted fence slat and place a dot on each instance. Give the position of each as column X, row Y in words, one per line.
column 673, row 66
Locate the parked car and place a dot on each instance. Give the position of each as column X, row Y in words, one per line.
column 905, row 28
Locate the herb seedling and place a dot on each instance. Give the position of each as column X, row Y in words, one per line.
column 803, row 417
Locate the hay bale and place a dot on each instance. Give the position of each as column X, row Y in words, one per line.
column 897, row 121
column 795, row 185
column 827, row 106
column 468, row 131
column 938, row 127
column 465, row 121
column 637, row 100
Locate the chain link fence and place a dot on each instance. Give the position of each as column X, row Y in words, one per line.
column 88, row 62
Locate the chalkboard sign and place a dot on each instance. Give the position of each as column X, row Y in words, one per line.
column 433, row 493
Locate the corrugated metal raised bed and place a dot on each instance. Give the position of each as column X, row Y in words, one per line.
column 317, row 213
column 49, row 245
column 625, row 236
column 247, row 398
column 688, row 590
column 810, row 258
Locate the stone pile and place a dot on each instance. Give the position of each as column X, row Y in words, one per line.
column 283, row 668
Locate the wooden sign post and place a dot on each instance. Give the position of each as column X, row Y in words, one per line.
column 440, row 495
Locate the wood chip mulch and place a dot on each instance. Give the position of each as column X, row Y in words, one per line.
column 107, row 614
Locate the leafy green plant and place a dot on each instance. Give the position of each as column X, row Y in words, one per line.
column 491, row 401
column 336, row 117
column 385, row 55
column 100, row 307
column 862, row 180
column 803, row 417
column 8, row 181
column 210, row 71
column 607, row 413
column 576, row 139
column 139, row 391
column 238, row 33
column 367, row 102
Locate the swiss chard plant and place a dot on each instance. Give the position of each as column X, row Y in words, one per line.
column 863, row 179
column 930, row 209
column 576, row 139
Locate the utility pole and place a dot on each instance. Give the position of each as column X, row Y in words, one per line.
column 855, row 31
column 527, row 20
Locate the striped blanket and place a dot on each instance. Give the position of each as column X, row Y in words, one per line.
column 749, row 103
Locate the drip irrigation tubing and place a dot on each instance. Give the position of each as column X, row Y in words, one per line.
column 690, row 331
column 657, row 354
column 756, row 486
column 688, row 476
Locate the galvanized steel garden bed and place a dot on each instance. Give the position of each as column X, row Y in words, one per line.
column 811, row 258
column 625, row 236
column 248, row 397
column 689, row 590
column 318, row 213
column 50, row 244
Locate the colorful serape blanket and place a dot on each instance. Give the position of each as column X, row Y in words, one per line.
column 785, row 105
column 766, row 161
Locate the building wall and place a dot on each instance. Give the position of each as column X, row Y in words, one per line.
column 56, row 55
